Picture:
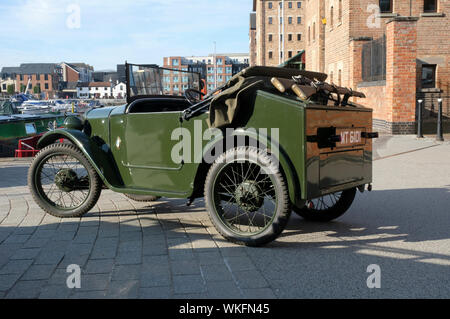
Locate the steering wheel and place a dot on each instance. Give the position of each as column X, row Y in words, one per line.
column 190, row 95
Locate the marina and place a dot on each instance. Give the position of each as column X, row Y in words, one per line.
column 22, row 117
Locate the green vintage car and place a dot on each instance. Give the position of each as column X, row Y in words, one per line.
column 269, row 141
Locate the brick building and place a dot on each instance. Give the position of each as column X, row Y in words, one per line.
column 45, row 76
column 277, row 30
column 394, row 51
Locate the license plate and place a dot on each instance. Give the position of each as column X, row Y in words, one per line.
column 350, row 137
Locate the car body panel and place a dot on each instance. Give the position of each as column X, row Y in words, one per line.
column 132, row 152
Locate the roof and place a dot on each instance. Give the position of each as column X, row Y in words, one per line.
column 99, row 84
column 10, row 69
column 37, row 68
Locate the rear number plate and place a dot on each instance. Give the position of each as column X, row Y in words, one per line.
column 350, row 136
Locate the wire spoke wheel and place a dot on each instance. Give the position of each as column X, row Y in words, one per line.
column 246, row 197
column 63, row 181
column 327, row 207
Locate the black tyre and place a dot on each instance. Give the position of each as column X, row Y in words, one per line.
column 247, row 197
column 327, row 207
column 142, row 198
column 63, row 182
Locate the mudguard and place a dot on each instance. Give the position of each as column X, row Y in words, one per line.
column 286, row 165
column 97, row 152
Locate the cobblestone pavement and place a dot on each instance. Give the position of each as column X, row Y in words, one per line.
column 164, row 249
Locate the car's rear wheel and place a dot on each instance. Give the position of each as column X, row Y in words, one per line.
column 327, row 207
column 63, row 182
column 247, row 197
column 142, row 198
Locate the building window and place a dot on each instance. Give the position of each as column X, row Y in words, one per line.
column 281, row 54
column 281, row 38
column 289, row 37
column 331, row 16
column 270, row 37
column 270, row 54
column 340, row 11
column 220, row 61
column 309, row 34
column 429, row 6
column 270, row 5
column 340, row 77
column 290, row 54
column 428, row 76
column 46, row 77
column 175, row 62
column 299, row 37
column 299, row 20
column 386, row 6
column 290, row 5
column 331, row 77
column 270, row 20
column 314, row 31
column 46, row 86
column 281, row 20
column 299, row 4
column 290, row 20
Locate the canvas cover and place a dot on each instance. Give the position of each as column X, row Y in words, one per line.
column 234, row 105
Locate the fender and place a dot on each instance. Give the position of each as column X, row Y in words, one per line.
column 97, row 152
column 282, row 157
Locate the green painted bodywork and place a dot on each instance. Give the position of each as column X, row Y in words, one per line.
column 132, row 151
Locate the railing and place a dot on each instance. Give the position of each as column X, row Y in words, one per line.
column 373, row 60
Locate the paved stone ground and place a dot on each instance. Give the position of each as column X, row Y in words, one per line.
column 166, row 250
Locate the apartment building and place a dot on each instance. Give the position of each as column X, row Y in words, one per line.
column 216, row 70
column 277, row 30
column 46, row 77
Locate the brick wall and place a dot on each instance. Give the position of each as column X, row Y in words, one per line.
column 268, row 40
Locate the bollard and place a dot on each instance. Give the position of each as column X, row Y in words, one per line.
column 439, row 135
column 419, row 120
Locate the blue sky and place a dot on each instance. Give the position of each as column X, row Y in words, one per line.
column 110, row 32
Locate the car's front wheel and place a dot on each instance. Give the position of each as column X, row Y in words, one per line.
column 247, row 197
column 63, row 182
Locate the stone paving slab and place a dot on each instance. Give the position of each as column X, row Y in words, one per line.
column 163, row 249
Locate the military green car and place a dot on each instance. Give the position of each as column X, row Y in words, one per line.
column 269, row 141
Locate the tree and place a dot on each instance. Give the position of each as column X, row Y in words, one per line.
column 37, row 89
column 11, row 89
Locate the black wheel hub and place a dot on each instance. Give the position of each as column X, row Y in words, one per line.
column 66, row 180
column 248, row 196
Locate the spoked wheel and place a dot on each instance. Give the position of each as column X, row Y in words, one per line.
column 63, row 182
column 247, row 197
column 327, row 207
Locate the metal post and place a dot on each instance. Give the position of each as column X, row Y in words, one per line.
column 419, row 120
column 439, row 135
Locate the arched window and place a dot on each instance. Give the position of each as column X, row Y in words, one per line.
column 314, row 31
column 331, row 16
column 309, row 34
